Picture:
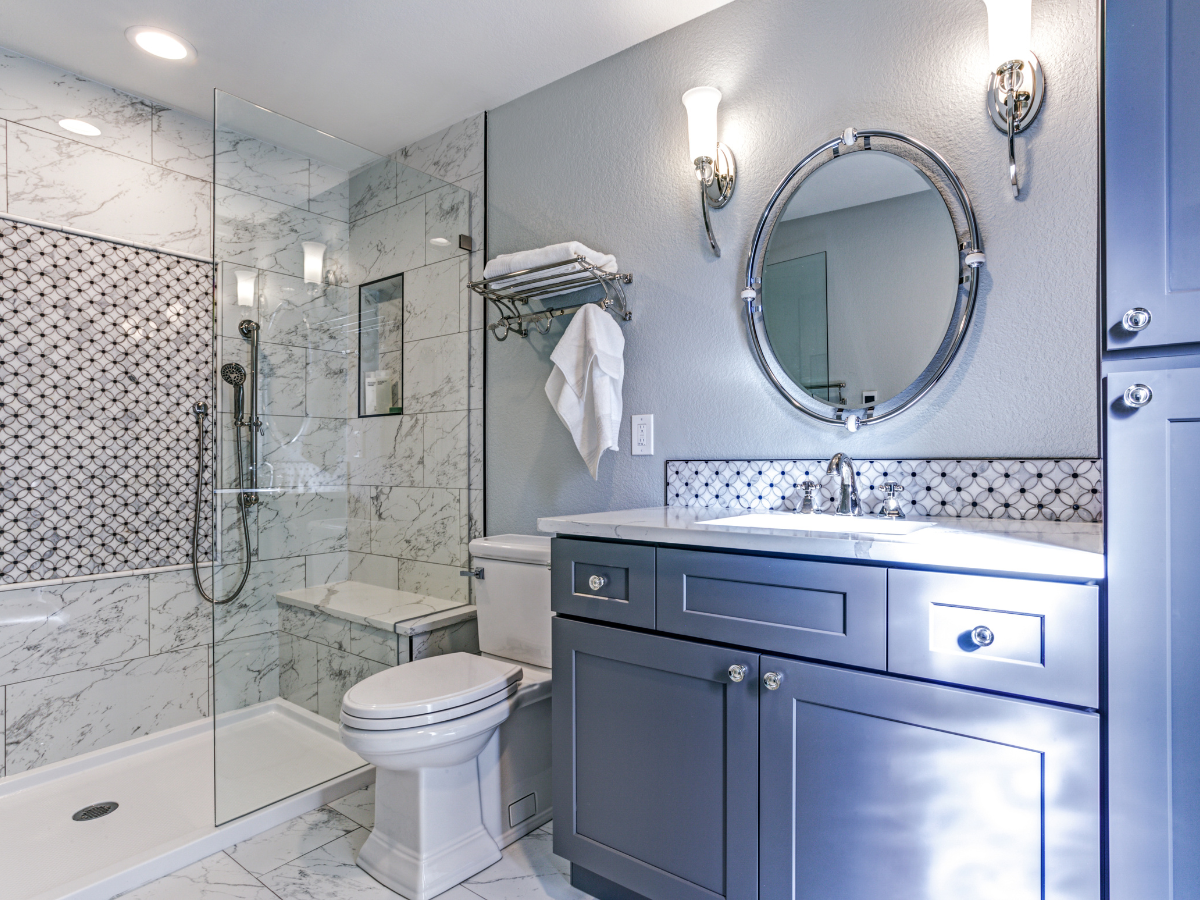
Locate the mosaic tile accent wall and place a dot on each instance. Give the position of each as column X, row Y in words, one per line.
column 1057, row 490
column 104, row 350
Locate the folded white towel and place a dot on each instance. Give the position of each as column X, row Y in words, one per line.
column 528, row 259
column 585, row 386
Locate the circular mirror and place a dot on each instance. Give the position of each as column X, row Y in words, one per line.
column 865, row 278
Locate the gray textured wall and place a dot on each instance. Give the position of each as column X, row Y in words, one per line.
column 600, row 156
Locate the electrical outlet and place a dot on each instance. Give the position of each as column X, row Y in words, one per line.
column 643, row 435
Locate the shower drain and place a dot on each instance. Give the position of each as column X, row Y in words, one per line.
column 95, row 811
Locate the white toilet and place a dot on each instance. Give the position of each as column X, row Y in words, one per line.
column 461, row 743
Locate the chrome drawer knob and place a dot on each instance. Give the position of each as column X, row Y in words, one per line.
column 1136, row 319
column 773, row 680
column 596, row 582
column 981, row 636
column 737, row 673
column 1138, row 395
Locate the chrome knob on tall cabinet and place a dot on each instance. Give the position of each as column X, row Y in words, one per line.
column 1136, row 319
column 737, row 673
column 773, row 680
column 1138, row 395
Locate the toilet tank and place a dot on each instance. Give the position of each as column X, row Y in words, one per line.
column 514, row 596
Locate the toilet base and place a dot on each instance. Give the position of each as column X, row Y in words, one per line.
column 429, row 834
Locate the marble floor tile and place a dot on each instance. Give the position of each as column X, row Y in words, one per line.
column 216, row 878
column 291, row 840
column 359, row 806
column 328, row 873
column 528, row 871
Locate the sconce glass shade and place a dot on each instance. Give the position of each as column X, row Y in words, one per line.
column 314, row 262
column 245, row 286
column 1010, row 26
column 701, row 104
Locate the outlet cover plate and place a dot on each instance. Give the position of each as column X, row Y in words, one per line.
column 643, row 435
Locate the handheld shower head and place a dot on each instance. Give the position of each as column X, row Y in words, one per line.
column 235, row 374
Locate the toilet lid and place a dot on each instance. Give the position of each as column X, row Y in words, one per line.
column 428, row 686
column 420, row 721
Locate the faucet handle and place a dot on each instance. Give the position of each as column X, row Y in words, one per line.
column 808, row 504
column 891, row 503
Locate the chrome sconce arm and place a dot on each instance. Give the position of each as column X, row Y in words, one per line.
column 716, row 178
column 1014, row 99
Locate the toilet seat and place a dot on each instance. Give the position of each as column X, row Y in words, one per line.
column 427, row 691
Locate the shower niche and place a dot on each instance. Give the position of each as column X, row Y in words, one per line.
column 381, row 347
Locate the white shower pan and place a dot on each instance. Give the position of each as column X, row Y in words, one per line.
column 164, row 784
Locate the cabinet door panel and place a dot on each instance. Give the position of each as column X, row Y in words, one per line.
column 655, row 762
column 879, row 787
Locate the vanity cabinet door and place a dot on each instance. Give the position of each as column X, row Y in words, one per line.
column 610, row 582
column 655, row 763
column 877, row 787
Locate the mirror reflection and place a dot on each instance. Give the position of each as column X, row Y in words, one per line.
column 860, row 279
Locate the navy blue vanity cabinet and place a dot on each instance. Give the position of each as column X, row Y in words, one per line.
column 601, row 580
column 655, row 764
column 1153, row 468
column 1151, row 175
column 875, row 787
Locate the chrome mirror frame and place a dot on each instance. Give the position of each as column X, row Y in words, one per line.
column 971, row 257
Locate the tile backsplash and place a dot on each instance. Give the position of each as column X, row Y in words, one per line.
column 1051, row 489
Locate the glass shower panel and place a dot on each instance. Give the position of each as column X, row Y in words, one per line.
column 302, row 221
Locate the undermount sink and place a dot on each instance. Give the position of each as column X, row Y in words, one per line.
column 820, row 522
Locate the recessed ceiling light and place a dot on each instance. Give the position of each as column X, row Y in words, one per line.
column 440, row 242
column 160, row 43
column 79, row 127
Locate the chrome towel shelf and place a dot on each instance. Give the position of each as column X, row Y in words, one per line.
column 512, row 294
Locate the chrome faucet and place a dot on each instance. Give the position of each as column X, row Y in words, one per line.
column 843, row 467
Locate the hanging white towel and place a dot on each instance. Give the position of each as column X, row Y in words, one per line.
column 585, row 386
column 528, row 259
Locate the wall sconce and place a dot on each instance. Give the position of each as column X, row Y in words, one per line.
column 1016, row 84
column 246, row 279
column 314, row 262
column 716, row 169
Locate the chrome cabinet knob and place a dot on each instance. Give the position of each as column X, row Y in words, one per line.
column 1136, row 319
column 773, row 680
column 982, row 636
column 1138, row 395
column 737, row 673
column 596, row 582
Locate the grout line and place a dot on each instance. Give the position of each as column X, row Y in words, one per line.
column 247, row 871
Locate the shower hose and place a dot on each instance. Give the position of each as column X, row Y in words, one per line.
column 201, row 411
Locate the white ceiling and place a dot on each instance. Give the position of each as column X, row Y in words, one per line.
column 379, row 73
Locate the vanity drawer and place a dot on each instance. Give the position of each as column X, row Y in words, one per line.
column 1039, row 638
column 603, row 581
column 812, row 609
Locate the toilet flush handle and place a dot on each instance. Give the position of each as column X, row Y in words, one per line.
column 473, row 573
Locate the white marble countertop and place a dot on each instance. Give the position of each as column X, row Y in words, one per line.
column 1072, row 550
column 379, row 607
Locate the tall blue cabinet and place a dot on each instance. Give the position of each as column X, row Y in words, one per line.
column 1152, row 445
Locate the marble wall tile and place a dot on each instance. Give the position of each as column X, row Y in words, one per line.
column 245, row 671
column 329, row 631
column 302, row 453
column 471, row 308
column 475, row 374
column 255, row 611
column 179, row 616
column 328, row 190
column 316, row 316
column 446, row 460
column 182, row 142
column 327, row 384
column 388, row 242
column 294, row 524
column 373, row 188
column 38, row 95
column 359, row 498
column 259, row 233
column 337, row 672
column 374, row 644
column 281, row 378
column 473, row 185
column 253, row 166
column 4, row 164
column 475, row 511
column 326, row 568
column 49, row 630
column 475, row 448
column 377, row 570
column 58, row 180
column 432, row 298
column 386, row 450
column 462, row 637
column 452, row 154
column 435, row 373
column 412, row 183
column 433, row 580
column 55, row 718
column 3, row 770
column 447, row 215
column 298, row 671
column 417, row 523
